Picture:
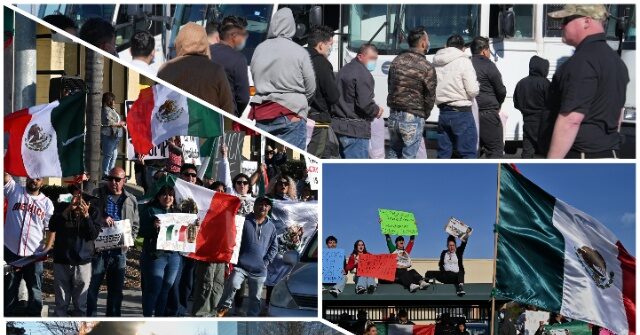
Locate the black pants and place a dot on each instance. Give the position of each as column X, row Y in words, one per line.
column 491, row 134
column 406, row 277
column 530, row 130
column 446, row 277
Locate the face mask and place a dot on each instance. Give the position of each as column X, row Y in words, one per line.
column 501, row 315
column 426, row 51
column 329, row 51
column 371, row 65
column 241, row 45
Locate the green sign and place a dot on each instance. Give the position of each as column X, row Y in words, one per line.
column 397, row 222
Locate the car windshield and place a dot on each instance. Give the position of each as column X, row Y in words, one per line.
column 388, row 26
column 311, row 251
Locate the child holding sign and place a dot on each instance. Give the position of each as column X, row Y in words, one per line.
column 409, row 278
column 363, row 283
column 336, row 288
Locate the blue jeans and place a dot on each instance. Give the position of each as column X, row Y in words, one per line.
column 32, row 275
column 294, row 133
column 159, row 273
column 353, row 147
column 181, row 290
column 109, row 146
column 364, row 281
column 112, row 263
column 340, row 284
column 457, row 131
column 234, row 282
column 405, row 134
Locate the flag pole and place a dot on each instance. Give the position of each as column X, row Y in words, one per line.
column 495, row 254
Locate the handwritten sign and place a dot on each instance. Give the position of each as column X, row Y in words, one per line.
column 117, row 236
column 234, row 142
column 332, row 265
column 397, row 222
column 314, row 176
column 457, row 228
column 190, row 149
column 532, row 321
column 177, row 232
column 377, row 266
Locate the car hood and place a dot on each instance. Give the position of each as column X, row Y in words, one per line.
column 303, row 280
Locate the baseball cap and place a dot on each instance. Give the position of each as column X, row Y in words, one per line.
column 596, row 12
column 264, row 199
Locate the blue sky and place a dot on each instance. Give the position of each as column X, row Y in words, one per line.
column 352, row 194
column 157, row 327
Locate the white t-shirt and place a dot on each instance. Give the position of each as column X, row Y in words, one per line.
column 404, row 260
column 27, row 218
column 451, row 262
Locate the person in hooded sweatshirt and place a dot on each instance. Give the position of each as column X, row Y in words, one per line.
column 456, row 88
column 284, row 80
column 193, row 71
column 530, row 98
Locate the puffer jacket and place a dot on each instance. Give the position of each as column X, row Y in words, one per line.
column 412, row 84
column 457, row 82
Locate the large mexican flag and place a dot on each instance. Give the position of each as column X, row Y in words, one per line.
column 160, row 113
column 217, row 214
column 47, row 140
column 561, row 259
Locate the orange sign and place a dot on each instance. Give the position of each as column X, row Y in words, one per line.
column 377, row 266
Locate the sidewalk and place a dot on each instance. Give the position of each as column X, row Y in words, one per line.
column 131, row 304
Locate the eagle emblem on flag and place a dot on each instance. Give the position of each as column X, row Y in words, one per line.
column 169, row 111
column 594, row 263
column 37, row 139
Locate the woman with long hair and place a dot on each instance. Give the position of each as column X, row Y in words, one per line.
column 111, row 132
column 363, row 283
column 284, row 188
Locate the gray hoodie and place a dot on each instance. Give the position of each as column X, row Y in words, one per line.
column 282, row 70
column 457, row 82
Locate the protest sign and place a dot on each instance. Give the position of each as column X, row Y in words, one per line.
column 210, row 152
column 332, row 265
column 532, row 321
column 24, row 261
column 236, row 248
column 314, row 176
column 178, row 232
column 397, row 222
column 117, row 236
column 378, row 266
column 573, row 328
column 190, row 149
column 249, row 167
column 457, row 228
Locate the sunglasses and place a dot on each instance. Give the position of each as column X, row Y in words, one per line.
column 187, row 174
column 112, row 178
column 242, row 182
column 283, row 182
column 270, row 152
column 568, row 19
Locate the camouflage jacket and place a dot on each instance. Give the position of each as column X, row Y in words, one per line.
column 412, row 84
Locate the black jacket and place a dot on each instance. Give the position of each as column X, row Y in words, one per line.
column 459, row 254
column 356, row 108
column 235, row 66
column 530, row 95
column 492, row 90
column 327, row 93
column 74, row 241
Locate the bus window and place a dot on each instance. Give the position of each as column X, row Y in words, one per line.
column 79, row 13
column 524, row 21
column 132, row 18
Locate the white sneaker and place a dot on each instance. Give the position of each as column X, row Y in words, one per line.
column 423, row 285
column 413, row 288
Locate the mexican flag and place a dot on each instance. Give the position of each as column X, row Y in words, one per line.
column 560, row 259
column 47, row 140
column 217, row 214
column 398, row 329
column 161, row 113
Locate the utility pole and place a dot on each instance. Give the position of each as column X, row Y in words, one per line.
column 93, row 77
column 24, row 79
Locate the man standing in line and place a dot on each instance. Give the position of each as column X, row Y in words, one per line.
column 490, row 99
column 412, row 92
column 143, row 51
column 351, row 119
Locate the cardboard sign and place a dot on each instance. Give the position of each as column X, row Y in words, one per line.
column 457, row 228
column 234, row 142
column 178, row 232
column 332, row 265
column 397, row 222
column 378, row 266
column 532, row 321
column 117, row 236
column 314, row 176
column 190, row 150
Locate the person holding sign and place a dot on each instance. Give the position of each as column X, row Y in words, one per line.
column 74, row 230
column 336, row 288
column 159, row 268
column 363, row 283
column 409, row 278
column 240, row 185
column 451, row 266
column 113, row 204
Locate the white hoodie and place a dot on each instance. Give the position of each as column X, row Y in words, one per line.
column 457, row 82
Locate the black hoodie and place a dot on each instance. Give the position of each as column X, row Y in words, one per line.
column 530, row 94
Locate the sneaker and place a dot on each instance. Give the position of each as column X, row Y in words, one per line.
column 222, row 312
column 460, row 291
column 334, row 292
column 423, row 285
column 413, row 288
column 360, row 290
column 371, row 289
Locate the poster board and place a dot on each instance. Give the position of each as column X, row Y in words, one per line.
column 178, row 232
column 394, row 222
column 332, row 265
column 381, row 266
column 117, row 236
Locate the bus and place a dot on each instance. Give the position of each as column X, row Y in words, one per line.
column 531, row 33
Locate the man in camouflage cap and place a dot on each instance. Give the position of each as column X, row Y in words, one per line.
column 588, row 91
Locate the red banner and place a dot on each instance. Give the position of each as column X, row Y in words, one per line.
column 378, row 266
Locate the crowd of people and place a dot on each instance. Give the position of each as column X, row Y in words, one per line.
column 172, row 284
column 450, row 267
